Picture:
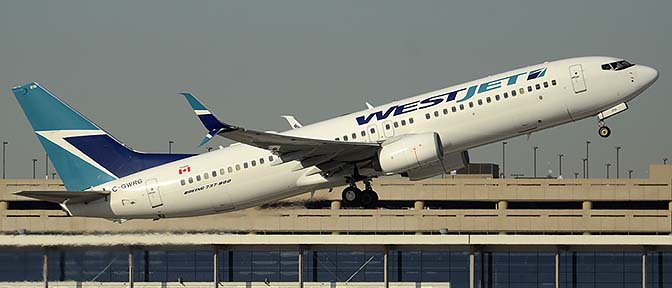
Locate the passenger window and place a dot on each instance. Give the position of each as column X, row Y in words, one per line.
column 191, row 180
column 183, row 182
column 537, row 86
column 471, row 104
column 553, row 82
column 497, row 97
column 230, row 169
column 354, row 136
column 254, row 163
column 270, row 158
column 214, row 173
column 387, row 126
column 372, row 131
column 487, row 99
column 206, row 175
column 363, row 133
column 198, row 177
column 436, row 113
column 396, row 125
column 427, row 116
column 513, row 93
column 261, row 161
column 506, row 95
column 461, row 106
column 529, row 89
column 454, row 109
column 221, row 171
column 245, row 165
column 445, row 111
column 545, row 84
column 403, row 122
column 410, row 120
column 345, row 138
column 480, row 102
column 237, row 167
column 522, row 90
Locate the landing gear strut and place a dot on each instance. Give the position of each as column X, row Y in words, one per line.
column 603, row 131
column 353, row 196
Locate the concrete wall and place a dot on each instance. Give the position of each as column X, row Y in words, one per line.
column 417, row 218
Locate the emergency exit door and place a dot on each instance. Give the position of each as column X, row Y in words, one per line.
column 153, row 193
column 578, row 82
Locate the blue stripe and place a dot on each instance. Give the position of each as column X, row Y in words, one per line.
column 210, row 122
column 76, row 173
column 118, row 159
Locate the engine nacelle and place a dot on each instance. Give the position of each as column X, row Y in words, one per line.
column 409, row 152
column 450, row 162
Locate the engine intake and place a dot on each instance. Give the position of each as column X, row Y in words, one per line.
column 408, row 152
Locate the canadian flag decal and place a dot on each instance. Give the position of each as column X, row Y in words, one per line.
column 184, row 169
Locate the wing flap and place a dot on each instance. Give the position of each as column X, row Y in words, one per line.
column 62, row 196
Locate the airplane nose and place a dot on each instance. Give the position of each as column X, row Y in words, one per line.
column 648, row 74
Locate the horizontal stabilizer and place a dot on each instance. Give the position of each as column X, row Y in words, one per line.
column 62, row 196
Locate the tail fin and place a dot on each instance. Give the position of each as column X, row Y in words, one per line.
column 83, row 154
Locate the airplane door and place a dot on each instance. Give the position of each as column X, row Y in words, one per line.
column 578, row 82
column 374, row 133
column 388, row 129
column 153, row 193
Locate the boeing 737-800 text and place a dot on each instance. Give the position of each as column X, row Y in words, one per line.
column 418, row 138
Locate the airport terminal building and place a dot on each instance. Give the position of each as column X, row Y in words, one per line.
column 461, row 231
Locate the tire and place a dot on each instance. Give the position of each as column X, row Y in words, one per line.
column 351, row 196
column 369, row 198
column 604, row 131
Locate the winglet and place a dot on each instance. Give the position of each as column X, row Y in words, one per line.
column 295, row 124
column 209, row 120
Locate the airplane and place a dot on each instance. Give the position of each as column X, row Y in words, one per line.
column 418, row 137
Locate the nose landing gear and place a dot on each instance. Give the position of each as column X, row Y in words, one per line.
column 603, row 131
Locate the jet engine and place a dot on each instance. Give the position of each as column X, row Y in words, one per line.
column 409, row 152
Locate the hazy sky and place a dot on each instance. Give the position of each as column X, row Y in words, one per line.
column 122, row 63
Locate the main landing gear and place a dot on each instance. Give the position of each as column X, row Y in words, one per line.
column 353, row 196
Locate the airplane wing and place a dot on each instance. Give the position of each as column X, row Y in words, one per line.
column 299, row 147
column 62, row 196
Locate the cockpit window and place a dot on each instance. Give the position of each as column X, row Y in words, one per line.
column 617, row 66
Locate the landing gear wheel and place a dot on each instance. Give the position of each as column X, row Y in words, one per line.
column 351, row 196
column 369, row 198
column 604, row 131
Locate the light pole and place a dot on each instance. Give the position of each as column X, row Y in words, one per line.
column 664, row 161
column 560, row 164
column 4, row 143
column 607, row 165
column 618, row 162
column 209, row 148
column 34, row 162
column 53, row 175
column 584, row 168
column 576, row 175
column 46, row 166
column 630, row 174
column 534, row 149
column 170, row 146
column 587, row 169
column 504, row 159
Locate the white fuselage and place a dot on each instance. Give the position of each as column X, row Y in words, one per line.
column 562, row 96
